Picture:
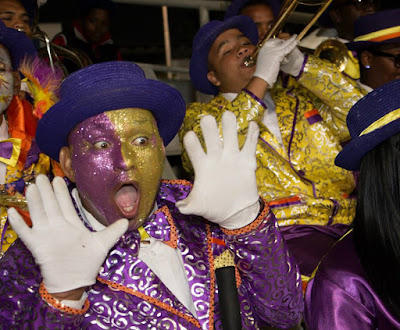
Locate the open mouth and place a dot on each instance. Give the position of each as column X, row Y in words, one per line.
column 127, row 199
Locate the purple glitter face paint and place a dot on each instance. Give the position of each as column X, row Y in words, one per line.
column 6, row 79
column 118, row 160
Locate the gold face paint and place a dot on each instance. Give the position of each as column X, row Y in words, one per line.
column 118, row 159
column 142, row 152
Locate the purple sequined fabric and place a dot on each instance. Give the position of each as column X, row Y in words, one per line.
column 129, row 295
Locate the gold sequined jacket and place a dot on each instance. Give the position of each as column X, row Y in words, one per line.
column 298, row 178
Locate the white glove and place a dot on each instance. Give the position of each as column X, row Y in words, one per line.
column 69, row 255
column 293, row 63
column 225, row 187
column 270, row 57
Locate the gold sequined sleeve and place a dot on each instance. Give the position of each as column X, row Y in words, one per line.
column 245, row 106
column 332, row 92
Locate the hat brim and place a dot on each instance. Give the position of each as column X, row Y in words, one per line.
column 17, row 43
column 352, row 154
column 198, row 68
column 165, row 103
column 361, row 45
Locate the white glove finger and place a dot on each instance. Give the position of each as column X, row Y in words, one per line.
column 110, row 235
column 65, row 202
column 19, row 225
column 250, row 146
column 273, row 42
column 229, row 131
column 194, row 149
column 35, row 205
column 185, row 206
column 288, row 46
column 211, row 136
column 50, row 202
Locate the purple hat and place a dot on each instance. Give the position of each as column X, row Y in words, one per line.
column 17, row 43
column 203, row 41
column 103, row 87
column 372, row 120
column 376, row 29
column 236, row 6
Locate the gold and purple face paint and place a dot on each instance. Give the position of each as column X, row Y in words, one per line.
column 6, row 79
column 118, row 159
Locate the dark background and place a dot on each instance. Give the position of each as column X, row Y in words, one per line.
column 138, row 29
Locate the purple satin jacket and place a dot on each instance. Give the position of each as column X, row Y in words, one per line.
column 341, row 297
column 128, row 294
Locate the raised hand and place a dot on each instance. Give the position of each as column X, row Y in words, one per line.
column 225, row 188
column 69, row 255
column 270, row 56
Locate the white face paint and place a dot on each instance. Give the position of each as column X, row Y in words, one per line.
column 6, row 79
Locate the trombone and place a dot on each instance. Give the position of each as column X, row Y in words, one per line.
column 288, row 7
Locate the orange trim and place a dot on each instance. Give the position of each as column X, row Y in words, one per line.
column 25, row 215
column 151, row 300
column 16, row 128
column 237, row 277
column 386, row 37
column 285, row 200
column 252, row 226
column 218, row 241
column 173, row 233
column 311, row 113
column 212, row 276
column 178, row 181
column 56, row 304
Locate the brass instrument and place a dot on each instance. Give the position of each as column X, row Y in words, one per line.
column 333, row 51
column 54, row 52
column 287, row 8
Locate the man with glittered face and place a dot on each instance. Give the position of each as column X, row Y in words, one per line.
column 130, row 250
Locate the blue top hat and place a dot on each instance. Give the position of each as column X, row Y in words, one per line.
column 376, row 29
column 202, row 42
column 237, row 5
column 17, row 43
column 104, row 87
column 372, row 120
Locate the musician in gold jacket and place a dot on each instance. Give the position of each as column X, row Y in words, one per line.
column 302, row 121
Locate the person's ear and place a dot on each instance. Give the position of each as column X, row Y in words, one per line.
column 17, row 82
column 66, row 163
column 212, row 78
column 366, row 58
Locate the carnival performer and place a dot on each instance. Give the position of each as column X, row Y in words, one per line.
column 356, row 285
column 302, row 126
column 377, row 45
column 20, row 158
column 108, row 131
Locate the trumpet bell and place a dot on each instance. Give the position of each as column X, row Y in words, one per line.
column 333, row 51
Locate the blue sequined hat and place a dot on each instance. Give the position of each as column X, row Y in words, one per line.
column 372, row 120
column 103, row 87
column 203, row 41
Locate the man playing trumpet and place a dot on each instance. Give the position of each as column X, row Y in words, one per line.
column 302, row 128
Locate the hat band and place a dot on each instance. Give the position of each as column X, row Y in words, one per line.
column 386, row 119
column 381, row 35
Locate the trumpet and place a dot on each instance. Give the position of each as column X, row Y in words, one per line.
column 287, row 8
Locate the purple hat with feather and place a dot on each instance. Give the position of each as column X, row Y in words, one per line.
column 17, row 43
column 104, row 87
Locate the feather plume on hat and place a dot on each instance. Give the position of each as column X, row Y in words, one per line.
column 43, row 82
